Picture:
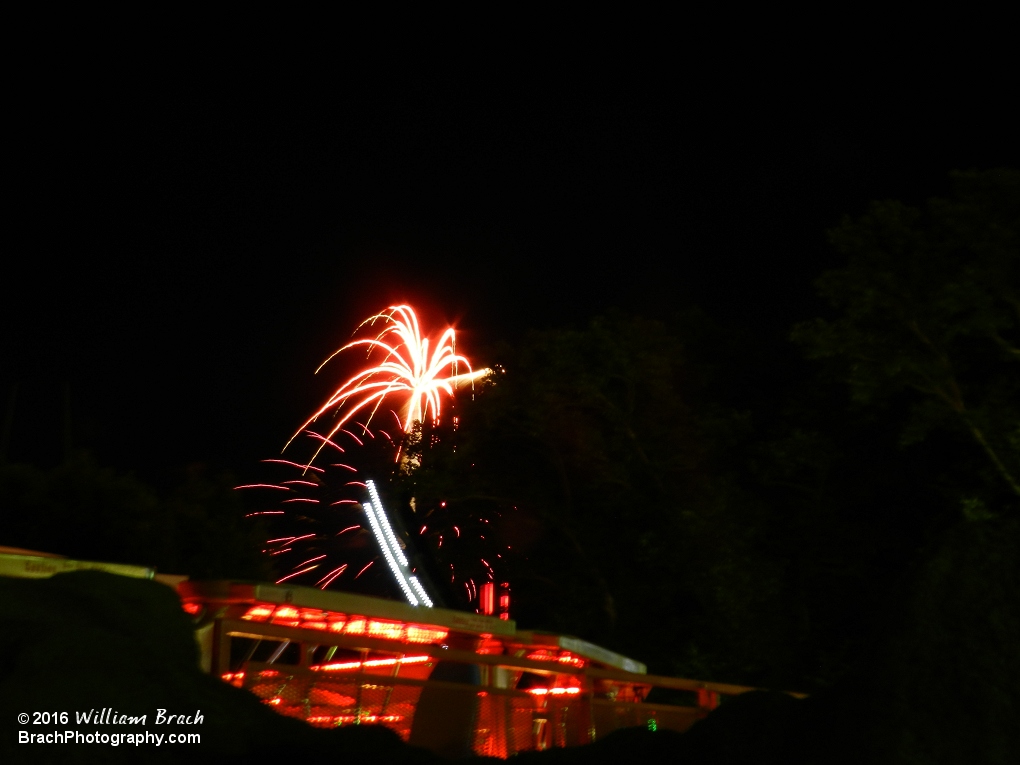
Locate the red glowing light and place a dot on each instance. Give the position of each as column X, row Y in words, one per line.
column 335, row 720
column 349, row 665
column 417, row 633
column 329, row 698
column 258, row 613
column 572, row 660
column 487, row 598
column 234, row 678
column 316, row 619
column 356, row 627
column 554, row 691
column 387, row 630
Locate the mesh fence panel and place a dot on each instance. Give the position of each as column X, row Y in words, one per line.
column 490, row 728
column 520, row 727
column 328, row 702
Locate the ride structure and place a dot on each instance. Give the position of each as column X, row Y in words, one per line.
column 453, row 682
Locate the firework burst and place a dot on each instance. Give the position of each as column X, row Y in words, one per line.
column 329, row 529
column 413, row 369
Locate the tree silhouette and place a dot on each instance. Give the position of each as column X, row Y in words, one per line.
column 929, row 308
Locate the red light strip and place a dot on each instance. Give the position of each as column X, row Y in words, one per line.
column 342, row 719
column 308, row 618
column 347, row 665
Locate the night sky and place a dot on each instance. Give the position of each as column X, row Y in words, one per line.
column 188, row 253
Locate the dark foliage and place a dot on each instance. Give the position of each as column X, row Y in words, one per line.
column 84, row 511
column 701, row 497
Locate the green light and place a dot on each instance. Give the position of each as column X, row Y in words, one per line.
column 652, row 725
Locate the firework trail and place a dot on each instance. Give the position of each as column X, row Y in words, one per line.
column 320, row 533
